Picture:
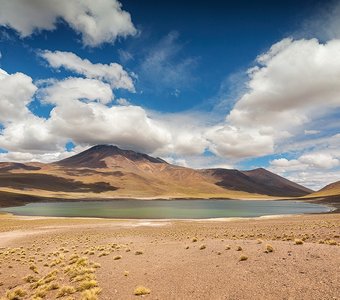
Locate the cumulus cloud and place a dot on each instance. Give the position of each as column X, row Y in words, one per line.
column 65, row 91
column 294, row 81
column 292, row 84
column 114, row 74
column 232, row 142
column 16, row 91
column 97, row 21
column 34, row 157
column 306, row 161
column 319, row 160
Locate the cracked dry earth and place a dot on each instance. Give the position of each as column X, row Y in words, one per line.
column 295, row 257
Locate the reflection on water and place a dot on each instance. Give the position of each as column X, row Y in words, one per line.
column 163, row 209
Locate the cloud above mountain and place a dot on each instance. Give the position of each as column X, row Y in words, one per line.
column 100, row 21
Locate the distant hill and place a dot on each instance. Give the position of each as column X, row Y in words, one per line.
column 259, row 181
column 106, row 171
column 332, row 189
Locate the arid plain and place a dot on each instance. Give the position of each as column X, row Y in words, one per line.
column 273, row 257
column 296, row 257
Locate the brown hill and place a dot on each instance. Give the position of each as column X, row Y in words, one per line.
column 106, row 171
column 95, row 156
column 258, row 181
column 332, row 189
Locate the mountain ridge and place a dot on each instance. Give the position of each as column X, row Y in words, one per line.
column 108, row 171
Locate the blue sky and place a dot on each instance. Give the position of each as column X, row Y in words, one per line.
column 236, row 84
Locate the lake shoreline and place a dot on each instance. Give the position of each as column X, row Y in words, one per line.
column 252, row 213
column 12, row 200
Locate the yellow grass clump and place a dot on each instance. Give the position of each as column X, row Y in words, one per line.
column 66, row 290
column 17, row 294
column 91, row 294
column 87, row 284
column 269, row 248
column 298, row 242
column 243, row 257
column 141, row 290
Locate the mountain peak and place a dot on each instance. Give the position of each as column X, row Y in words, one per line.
column 94, row 157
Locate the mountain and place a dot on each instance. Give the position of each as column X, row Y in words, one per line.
column 259, row 181
column 95, row 157
column 332, row 189
column 106, row 171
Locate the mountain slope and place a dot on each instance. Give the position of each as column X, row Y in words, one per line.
column 106, row 171
column 95, row 156
column 332, row 189
column 258, row 181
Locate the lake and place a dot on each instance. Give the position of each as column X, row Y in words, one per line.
column 163, row 209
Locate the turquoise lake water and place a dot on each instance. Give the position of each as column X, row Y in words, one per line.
column 163, row 209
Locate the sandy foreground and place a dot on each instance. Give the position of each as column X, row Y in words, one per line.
column 58, row 258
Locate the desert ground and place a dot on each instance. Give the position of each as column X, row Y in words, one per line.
column 291, row 257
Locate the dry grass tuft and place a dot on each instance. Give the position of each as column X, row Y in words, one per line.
column 141, row 290
column 66, row 290
column 91, row 294
column 202, row 247
column 331, row 242
column 87, row 285
column 243, row 258
column 269, row 248
column 298, row 242
column 30, row 279
column 17, row 294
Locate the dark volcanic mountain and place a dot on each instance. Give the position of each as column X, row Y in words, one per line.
column 259, row 181
column 106, row 171
column 94, row 157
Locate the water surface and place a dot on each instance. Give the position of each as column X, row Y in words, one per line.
column 163, row 209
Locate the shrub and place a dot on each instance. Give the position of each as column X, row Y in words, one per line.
column 243, row 258
column 141, row 290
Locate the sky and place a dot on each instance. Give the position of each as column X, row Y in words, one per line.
column 231, row 84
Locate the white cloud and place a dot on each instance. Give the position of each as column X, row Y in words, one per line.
column 314, row 180
column 114, row 74
column 294, row 81
column 123, row 102
column 97, row 21
column 34, row 157
column 94, row 123
column 232, row 142
column 30, row 134
column 65, row 91
column 319, row 160
column 310, row 132
column 16, row 91
column 292, row 84
column 306, row 161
